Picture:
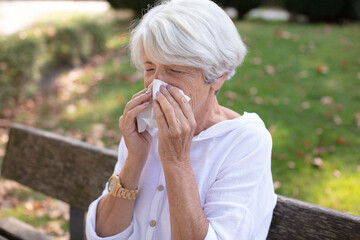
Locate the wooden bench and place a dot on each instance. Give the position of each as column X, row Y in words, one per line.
column 75, row 172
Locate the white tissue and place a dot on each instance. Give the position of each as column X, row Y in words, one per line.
column 146, row 120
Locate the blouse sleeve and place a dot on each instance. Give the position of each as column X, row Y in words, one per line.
column 240, row 203
column 91, row 215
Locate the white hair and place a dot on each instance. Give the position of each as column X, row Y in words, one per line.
column 195, row 33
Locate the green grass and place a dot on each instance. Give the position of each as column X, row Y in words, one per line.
column 283, row 79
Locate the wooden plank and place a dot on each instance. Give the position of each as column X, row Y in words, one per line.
column 14, row 229
column 77, row 224
column 294, row 219
column 70, row 170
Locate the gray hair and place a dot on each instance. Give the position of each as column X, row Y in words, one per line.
column 195, row 33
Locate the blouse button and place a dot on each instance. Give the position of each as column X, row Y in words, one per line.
column 160, row 188
column 152, row 223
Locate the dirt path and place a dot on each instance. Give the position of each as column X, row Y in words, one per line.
column 17, row 15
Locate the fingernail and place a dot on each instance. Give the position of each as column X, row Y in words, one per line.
column 170, row 86
column 146, row 103
column 162, row 87
column 158, row 93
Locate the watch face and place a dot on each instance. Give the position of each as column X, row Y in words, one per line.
column 111, row 184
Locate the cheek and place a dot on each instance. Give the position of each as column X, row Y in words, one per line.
column 147, row 82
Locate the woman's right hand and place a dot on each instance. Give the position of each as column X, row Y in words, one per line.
column 138, row 144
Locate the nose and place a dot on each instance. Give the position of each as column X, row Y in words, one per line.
column 160, row 74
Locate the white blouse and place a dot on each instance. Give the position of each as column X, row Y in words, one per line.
column 231, row 161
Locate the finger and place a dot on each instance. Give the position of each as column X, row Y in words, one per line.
column 170, row 98
column 136, row 110
column 179, row 118
column 182, row 101
column 149, row 88
column 139, row 93
column 140, row 99
column 169, row 112
column 160, row 117
column 130, row 118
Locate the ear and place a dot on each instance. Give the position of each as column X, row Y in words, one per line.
column 215, row 86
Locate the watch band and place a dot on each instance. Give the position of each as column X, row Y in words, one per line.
column 124, row 193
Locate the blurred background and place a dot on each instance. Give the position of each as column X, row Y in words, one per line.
column 65, row 68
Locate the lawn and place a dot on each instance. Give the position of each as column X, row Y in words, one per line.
column 303, row 81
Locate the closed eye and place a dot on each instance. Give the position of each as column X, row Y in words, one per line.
column 150, row 69
column 172, row 70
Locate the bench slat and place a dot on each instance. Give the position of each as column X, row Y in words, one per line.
column 14, row 229
column 294, row 219
column 69, row 170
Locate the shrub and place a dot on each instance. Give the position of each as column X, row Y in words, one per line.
column 20, row 64
column 242, row 6
column 25, row 57
column 325, row 10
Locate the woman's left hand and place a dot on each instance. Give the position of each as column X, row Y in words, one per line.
column 176, row 124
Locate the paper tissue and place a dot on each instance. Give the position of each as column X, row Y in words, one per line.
column 146, row 120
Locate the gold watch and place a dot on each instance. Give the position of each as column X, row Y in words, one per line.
column 117, row 190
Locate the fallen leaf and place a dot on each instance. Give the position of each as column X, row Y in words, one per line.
column 357, row 119
column 300, row 154
column 269, row 69
column 319, row 150
column 336, row 173
column 344, row 62
column 327, row 29
column 302, row 48
column 307, row 143
column 329, row 114
column 40, row 213
column 326, row 100
column 318, row 162
column 256, row 61
column 54, row 227
column 230, row 95
column 282, row 157
column 71, row 109
column 339, row 107
column 291, row 165
column 308, row 158
column 340, row 141
column 332, row 148
column 319, row 131
column 272, row 129
column 277, row 185
column 253, row 91
column 54, row 214
column 3, row 66
column 337, row 120
column 305, row 105
column 99, row 76
column 275, row 101
column 258, row 100
column 322, row 68
column 280, row 33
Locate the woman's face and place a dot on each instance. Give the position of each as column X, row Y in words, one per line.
column 188, row 79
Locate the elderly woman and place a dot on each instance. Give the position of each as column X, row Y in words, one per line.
column 207, row 173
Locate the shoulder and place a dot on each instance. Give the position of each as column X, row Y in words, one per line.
column 248, row 130
column 249, row 141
